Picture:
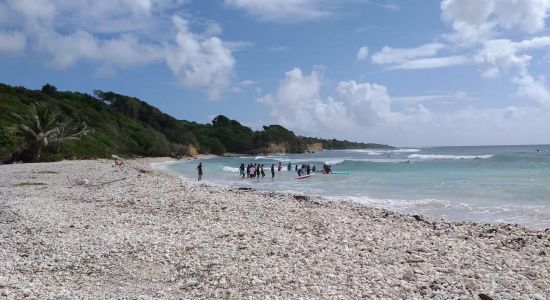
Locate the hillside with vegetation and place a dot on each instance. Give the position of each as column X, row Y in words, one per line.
column 49, row 125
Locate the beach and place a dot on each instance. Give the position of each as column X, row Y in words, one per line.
column 87, row 229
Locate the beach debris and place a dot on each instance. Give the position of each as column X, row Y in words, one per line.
column 484, row 297
column 301, row 198
column 246, row 189
column 83, row 181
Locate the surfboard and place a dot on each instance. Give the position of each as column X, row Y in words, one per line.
column 340, row 172
column 303, row 177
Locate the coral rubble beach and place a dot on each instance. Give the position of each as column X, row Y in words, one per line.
column 139, row 233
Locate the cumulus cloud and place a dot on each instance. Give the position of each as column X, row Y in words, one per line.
column 291, row 11
column 363, row 111
column 200, row 61
column 366, row 103
column 533, row 90
column 298, row 104
column 363, row 53
column 119, row 34
column 12, row 42
column 476, row 24
column 502, row 55
column 477, row 21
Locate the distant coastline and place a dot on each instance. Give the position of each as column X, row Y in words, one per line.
column 127, row 126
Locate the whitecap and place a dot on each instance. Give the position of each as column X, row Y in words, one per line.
column 230, row 169
column 367, row 151
column 405, row 150
column 334, row 162
column 438, row 156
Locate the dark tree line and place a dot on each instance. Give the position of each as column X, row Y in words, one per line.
column 108, row 123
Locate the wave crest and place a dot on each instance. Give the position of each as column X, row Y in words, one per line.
column 230, row 169
column 440, row 156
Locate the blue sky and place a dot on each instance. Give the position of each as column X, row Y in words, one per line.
column 408, row 73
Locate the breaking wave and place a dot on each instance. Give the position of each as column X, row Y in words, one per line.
column 437, row 156
column 375, row 152
column 230, row 169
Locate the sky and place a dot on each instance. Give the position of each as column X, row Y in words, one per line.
column 398, row 72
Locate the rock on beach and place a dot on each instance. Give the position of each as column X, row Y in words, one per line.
column 134, row 232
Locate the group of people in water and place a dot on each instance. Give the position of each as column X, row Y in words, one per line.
column 256, row 170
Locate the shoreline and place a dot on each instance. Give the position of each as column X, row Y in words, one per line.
column 330, row 199
column 137, row 232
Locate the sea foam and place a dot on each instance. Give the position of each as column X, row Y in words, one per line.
column 230, row 169
column 438, row 156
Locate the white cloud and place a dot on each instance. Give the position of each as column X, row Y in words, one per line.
column 533, row 90
column 417, row 58
column 298, row 104
column 363, row 111
column 363, row 53
column 469, row 126
column 292, row 11
column 245, row 84
column 500, row 56
column 476, row 21
column 366, row 104
column 12, row 42
column 122, row 52
column 440, row 98
column 390, row 55
column 119, row 34
column 200, row 61
column 432, row 63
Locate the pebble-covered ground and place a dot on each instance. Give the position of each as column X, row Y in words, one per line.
column 136, row 233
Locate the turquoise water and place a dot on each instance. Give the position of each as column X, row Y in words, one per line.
column 507, row 184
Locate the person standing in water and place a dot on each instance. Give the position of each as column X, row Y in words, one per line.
column 241, row 170
column 272, row 170
column 289, row 167
column 199, row 170
column 280, row 167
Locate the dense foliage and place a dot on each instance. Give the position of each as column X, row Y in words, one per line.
column 333, row 144
column 128, row 126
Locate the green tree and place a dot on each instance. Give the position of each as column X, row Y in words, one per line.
column 49, row 89
column 44, row 129
column 8, row 142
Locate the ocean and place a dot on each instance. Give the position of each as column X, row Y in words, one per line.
column 496, row 184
